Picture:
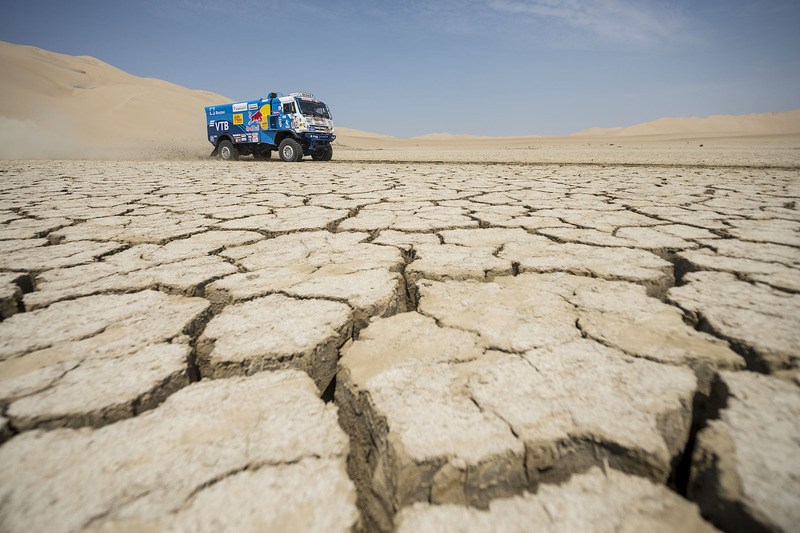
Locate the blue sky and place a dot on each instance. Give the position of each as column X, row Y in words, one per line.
column 482, row 67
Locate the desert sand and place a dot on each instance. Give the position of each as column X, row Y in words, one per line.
column 58, row 106
column 597, row 332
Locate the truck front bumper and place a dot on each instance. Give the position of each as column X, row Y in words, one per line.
column 319, row 137
column 313, row 140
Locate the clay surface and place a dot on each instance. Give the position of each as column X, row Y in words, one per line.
column 595, row 501
column 746, row 466
column 180, row 466
column 376, row 345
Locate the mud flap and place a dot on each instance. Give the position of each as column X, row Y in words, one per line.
column 214, row 153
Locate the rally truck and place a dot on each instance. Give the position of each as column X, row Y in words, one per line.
column 294, row 125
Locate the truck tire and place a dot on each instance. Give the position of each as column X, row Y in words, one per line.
column 290, row 150
column 227, row 151
column 323, row 154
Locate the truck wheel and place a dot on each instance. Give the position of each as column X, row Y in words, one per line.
column 323, row 154
column 227, row 151
column 290, row 150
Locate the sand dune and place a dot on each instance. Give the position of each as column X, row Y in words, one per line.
column 449, row 137
column 783, row 123
column 56, row 105
column 60, row 106
column 779, row 130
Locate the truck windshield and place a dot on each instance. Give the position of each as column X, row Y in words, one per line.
column 310, row 107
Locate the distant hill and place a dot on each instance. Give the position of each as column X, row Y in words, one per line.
column 56, row 105
column 450, row 137
column 782, row 123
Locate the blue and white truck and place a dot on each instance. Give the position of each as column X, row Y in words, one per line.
column 294, row 125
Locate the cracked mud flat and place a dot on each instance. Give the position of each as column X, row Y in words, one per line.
column 366, row 346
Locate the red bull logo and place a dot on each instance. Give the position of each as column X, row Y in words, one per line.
column 256, row 117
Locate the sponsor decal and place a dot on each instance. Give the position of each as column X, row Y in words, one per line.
column 251, row 107
column 254, row 137
column 237, row 119
column 312, row 128
column 210, row 123
column 251, row 128
column 256, row 117
column 220, row 112
column 264, row 116
column 239, row 107
column 259, row 118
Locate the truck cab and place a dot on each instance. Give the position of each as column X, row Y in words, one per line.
column 295, row 126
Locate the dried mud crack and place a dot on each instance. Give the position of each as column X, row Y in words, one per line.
column 398, row 347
